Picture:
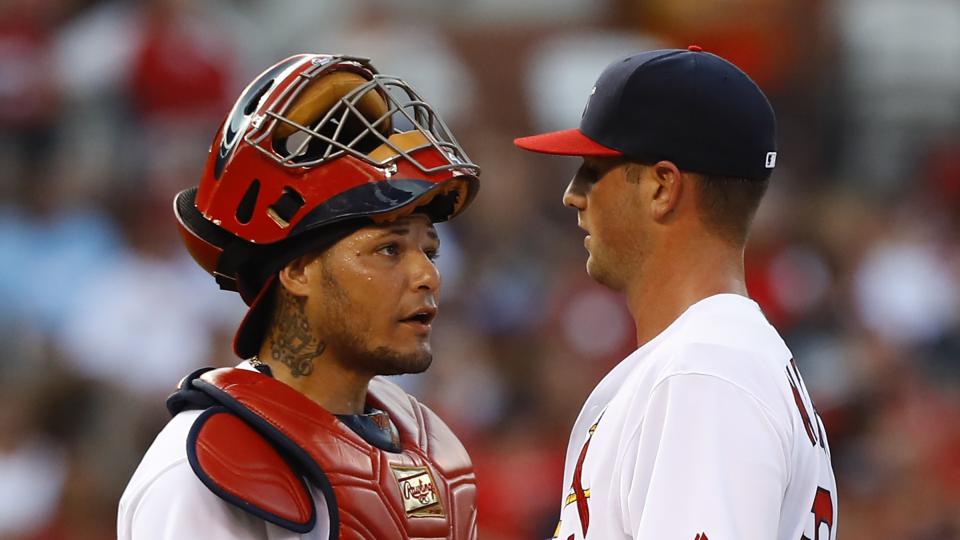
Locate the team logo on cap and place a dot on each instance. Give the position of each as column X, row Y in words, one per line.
column 771, row 160
column 587, row 106
column 418, row 491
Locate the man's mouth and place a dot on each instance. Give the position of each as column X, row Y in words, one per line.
column 422, row 316
column 586, row 238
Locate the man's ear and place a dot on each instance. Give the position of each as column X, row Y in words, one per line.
column 669, row 188
column 294, row 276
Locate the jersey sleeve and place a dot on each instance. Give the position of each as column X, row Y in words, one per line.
column 177, row 505
column 708, row 459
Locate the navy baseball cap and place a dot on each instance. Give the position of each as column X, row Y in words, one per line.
column 682, row 105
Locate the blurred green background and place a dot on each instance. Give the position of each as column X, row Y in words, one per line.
column 107, row 109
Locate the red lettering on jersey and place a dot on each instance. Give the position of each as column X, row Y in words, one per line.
column 701, row 536
column 798, row 399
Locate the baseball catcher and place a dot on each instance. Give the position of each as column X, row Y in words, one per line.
column 316, row 205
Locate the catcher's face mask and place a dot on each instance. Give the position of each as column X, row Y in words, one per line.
column 314, row 140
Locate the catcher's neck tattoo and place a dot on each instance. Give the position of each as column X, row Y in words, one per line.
column 291, row 342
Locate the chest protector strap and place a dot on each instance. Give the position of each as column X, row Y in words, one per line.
column 259, row 438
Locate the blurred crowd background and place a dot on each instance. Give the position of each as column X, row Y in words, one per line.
column 107, row 109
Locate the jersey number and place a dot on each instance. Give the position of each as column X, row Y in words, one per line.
column 822, row 513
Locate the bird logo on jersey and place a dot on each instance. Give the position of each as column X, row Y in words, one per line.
column 578, row 494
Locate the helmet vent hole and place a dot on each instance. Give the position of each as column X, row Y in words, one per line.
column 289, row 203
column 248, row 203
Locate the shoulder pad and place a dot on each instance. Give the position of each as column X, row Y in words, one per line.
column 187, row 397
column 241, row 467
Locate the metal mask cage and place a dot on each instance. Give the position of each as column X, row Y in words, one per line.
column 329, row 137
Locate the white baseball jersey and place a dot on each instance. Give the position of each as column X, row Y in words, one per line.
column 165, row 500
column 706, row 432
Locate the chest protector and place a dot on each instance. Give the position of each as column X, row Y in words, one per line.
column 259, row 439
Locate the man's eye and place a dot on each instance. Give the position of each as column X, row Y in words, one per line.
column 390, row 249
column 432, row 254
column 587, row 174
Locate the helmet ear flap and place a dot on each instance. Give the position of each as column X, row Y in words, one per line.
column 319, row 98
column 205, row 241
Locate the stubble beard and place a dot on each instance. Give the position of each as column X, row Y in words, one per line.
column 600, row 271
column 386, row 361
column 381, row 360
column 355, row 350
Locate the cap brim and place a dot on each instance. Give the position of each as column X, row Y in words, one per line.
column 569, row 142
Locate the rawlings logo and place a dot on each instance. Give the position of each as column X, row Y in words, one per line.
column 422, row 491
column 418, row 491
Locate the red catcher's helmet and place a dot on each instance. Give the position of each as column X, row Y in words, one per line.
column 313, row 141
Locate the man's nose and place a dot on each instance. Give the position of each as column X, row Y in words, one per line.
column 425, row 276
column 574, row 197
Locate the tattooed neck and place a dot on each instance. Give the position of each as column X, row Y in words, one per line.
column 291, row 341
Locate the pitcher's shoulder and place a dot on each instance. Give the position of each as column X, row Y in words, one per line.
column 757, row 369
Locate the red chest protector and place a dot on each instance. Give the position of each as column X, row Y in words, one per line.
column 259, row 438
